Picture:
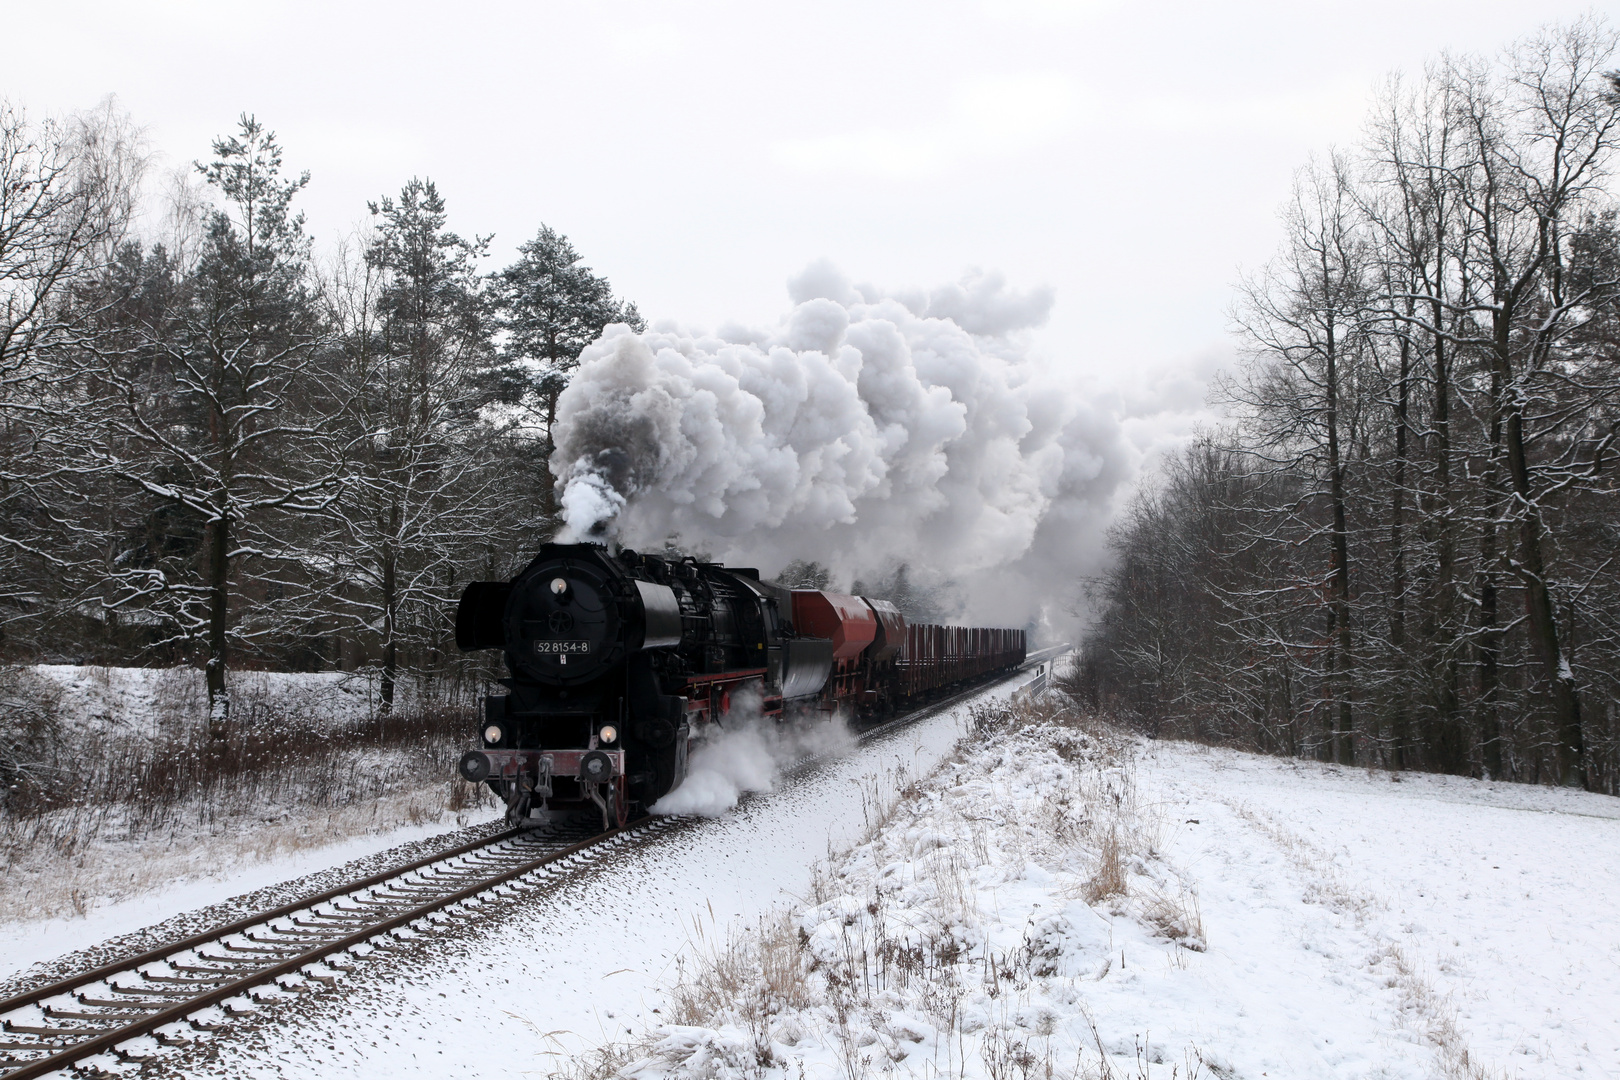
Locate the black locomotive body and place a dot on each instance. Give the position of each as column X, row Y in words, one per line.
column 616, row 661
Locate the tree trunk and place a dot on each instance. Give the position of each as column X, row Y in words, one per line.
column 1490, row 633
column 1399, row 720
column 1447, row 749
column 390, row 623
column 1343, row 741
column 219, row 700
column 1541, row 622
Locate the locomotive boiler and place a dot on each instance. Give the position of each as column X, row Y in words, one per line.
column 617, row 662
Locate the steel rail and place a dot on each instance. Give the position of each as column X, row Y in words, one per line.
column 116, row 967
column 261, row 974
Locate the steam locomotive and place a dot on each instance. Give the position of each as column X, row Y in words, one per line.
column 619, row 661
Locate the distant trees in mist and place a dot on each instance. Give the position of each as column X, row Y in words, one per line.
column 1404, row 550
column 220, row 446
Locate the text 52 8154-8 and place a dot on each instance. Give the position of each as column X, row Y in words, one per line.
column 545, row 648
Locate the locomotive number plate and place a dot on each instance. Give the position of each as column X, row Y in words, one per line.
column 554, row 648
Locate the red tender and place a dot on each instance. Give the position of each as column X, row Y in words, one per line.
column 846, row 620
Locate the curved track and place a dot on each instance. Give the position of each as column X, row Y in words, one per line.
column 303, row 945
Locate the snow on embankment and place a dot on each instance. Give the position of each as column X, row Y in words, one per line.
column 1060, row 900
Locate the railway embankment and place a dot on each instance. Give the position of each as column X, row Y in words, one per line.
column 1059, row 898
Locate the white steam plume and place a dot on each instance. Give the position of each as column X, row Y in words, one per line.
column 747, row 755
column 865, row 430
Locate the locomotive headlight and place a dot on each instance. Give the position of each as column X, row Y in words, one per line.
column 608, row 734
column 493, row 733
column 559, row 586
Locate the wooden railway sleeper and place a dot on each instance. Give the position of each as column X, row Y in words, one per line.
column 78, row 1035
column 230, row 961
column 438, row 878
column 378, row 903
column 292, row 950
column 150, row 991
column 54, row 1013
column 333, row 922
column 411, row 899
column 418, row 893
column 223, row 977
column 290, row 937
column 421, row 890
column 107, row 1003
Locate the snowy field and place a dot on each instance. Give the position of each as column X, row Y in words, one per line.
column 164, row 878
column 141, row 803
column 115, row 701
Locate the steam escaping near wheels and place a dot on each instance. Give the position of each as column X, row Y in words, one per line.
column 746, row 757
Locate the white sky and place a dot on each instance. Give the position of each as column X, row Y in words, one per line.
column 1133, row 156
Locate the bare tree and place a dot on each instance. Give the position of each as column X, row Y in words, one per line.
column 420, row 497
column 1304, row 318
column 66, row 194
column 1423, row 441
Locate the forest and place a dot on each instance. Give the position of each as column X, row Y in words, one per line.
column 222, row 450
column 1400, row 548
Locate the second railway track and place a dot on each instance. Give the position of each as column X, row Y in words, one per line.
column 298, row 946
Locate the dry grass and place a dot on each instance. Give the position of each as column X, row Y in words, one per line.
column 1108, row 879
column 1176, row 915
column 881, row 961
column 97, row 810
column 1439, row 1019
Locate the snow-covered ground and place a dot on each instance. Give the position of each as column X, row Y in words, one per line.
column 529, row 988
column 175, row 879
column 122, row 701
column 1268, row 919
column 135, row 813
column 1054, row 897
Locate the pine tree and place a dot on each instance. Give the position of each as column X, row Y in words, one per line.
column 199, row 406
column 550, row 307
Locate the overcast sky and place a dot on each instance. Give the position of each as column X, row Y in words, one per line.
column 1132, row 156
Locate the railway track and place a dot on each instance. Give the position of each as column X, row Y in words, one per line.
column 303, row 945
column 291, row 949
